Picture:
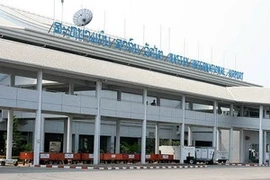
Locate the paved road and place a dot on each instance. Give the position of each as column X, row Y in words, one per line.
column 210, row 173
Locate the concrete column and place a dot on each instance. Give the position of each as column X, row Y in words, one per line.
column 190, row 136
column 143, row 140
column 119, row 95
column 68, row 125
column 65, row 137
column 215, row 125
column 218, row 139
column 10, row 125
column 242, row 146
column 42, row 134
column 231, row 145
column 112, row 144
column 231, row 109
column 156, row 138
column 182, row 136
column 190, row 105
column 242, row 111
column 9, row 135
column 170, row 140
column 264, row 146
column 117, row 137
column 12, row 80
column 269, row 118
column 231, row 137
column 264, row 113
column 71, row 88
column 261, row 137
column 158, row 101
column 76, row 143
column 69, row 134
column 97, row 124
column 38, row 120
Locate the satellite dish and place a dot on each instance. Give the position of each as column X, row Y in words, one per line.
column 82, row 17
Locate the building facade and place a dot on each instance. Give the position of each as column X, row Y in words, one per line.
column 91, row 92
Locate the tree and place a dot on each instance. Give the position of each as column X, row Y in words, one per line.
column 150, row 146
column 130, row 148
column 18, row 139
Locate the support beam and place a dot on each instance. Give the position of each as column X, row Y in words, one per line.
column 112, row 144
column 156, row 138
column 190, row 104
column 12, row 80
column 231, row 137
column 71, row 88
column 10, row 125
column 38, row 120
column 9, row 134
column 182, row 136
column 68, row 125
column 260, row 136
column 242, row 146
column 231, row 145
column 268, row 117
column 215, row 125
column 143, row 140
column 42, row 134
column 65, row 137
column 190, row 136
column 242, row 111
column 76, row 143
column 69, row 134
column 264, row 146
column 218, row 139
column 231, row 109
column 264, row 113
column 158, row 101
column 117, row 138
column 97, row 124
column 170, row 140
column 119, row 95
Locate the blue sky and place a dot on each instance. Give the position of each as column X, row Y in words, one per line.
column 234, row 34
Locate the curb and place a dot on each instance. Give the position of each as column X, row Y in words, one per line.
column 244, row 164
column 116, row 167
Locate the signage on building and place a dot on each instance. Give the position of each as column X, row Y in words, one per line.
column 100, row 38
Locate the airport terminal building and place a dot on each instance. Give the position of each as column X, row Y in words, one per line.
column 92, row 91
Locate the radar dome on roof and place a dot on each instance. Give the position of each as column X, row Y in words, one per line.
column 82, row 17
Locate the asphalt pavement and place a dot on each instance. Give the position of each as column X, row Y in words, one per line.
column 214, row 172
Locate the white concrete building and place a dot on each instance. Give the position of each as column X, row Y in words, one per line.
column 90, row 91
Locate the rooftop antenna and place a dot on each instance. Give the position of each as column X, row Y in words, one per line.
column 235, row 61
column 184, row 47
column 143, row 34
column 160, row 37
column 53, row 10
column 169, row 40
column 211, row 54
column 125, row 28
column 104, row 20
column 198, row 50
